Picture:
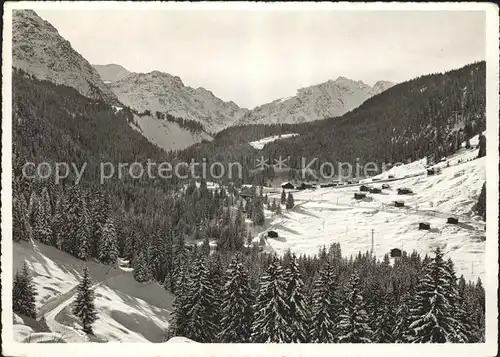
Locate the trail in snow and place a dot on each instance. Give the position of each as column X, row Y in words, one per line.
column 53, row 307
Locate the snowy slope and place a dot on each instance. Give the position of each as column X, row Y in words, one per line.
column 38, row 49
column 259, row 144
column 167, row 135
column 328, row 215
column 325, row 100
column 128, row 311
column 158, row 91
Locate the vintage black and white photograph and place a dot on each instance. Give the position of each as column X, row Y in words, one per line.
column 217, row 173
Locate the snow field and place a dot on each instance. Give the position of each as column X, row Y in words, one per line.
column 328, row 215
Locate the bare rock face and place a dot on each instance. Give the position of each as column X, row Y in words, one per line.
column 325, row 100
column 38, row 49
column 163, row 92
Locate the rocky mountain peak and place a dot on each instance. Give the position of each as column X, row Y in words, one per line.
column 38, row 49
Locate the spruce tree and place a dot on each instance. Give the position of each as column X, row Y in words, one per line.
column 278, row 210
column 169, row 260
column 108, row 250
column 200, row 303
column 289, row 201
column 353, row 321
column 258, row 212
column 42, row 229
column 431, row 316
column 402, row 317
column 20, row 225
column 237, row 310
column 298, row 309
column 84, row 307
column 325, row 306
column 283, row 197
column 32, row 208
column 24, row 293
column 179, row 319
column 481, row 203
column 142, row 273
column 57, row 223
column 270, row 321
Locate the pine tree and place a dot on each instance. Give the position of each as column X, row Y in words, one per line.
column 57, row 223
column 200, row 302
column 325, row 306
column 108, row 250
column 24, row 293
column 142, row 273
column 400, row 331
column 179, row 318
column 42, row 229
column 278, row 210
column 289, row 201
column 237, row 310
column 353, row 321
column 270, row 320
column 283, row 197
column 82, row 236
column 258, row 212
column 84, row 307
column 216, row 277
column 205, row 247
column 20, row 225
column 431, row 316
column 481, row 203
column 169, row 260
column 32, row 208
column 180, row 259
column 298, row 309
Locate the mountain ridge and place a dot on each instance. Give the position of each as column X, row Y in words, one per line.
column 39, row 49
column 328, row 99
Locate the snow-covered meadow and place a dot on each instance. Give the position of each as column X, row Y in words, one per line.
column 325, row 215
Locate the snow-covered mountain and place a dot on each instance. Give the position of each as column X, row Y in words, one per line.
column 163, row 92
column 325, row 100
column 111, row 72
column 38, row 49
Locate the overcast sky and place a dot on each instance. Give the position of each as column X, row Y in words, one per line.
column 255, row 57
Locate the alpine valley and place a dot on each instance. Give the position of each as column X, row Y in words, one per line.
column 273, row 253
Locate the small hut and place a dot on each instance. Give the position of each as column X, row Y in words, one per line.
column 359, row 196
column 385, row 186
column 390, row 176
column 395, row 253
column 364, row 188
column 399, row 203
column 246, row 192
column 304, row 186
column 287, row 185
column 452, row 220
column 272, row 234
column 424, row 225
column 404, row 191
column 375, row 190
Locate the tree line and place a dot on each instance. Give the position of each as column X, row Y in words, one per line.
column 326, row 298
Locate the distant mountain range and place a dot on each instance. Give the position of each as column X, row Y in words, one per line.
column 325, row 100
column 39, row 50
